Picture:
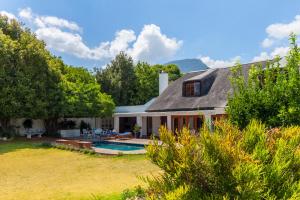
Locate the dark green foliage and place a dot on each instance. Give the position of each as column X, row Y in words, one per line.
column 71, row 148
column 46, row 144
column 8, row 132
column 172, row 70
column 146, row 83
column 271, row 95
column 82, row 94
column 147, row 80
column 118, row 79
column 36, row 84
column 67, row 124
column 255, row 163
column 131, row 84
column 137, row 192
column 27, row 123
column 84, row 125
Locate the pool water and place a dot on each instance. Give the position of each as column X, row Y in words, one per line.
column 119, row 146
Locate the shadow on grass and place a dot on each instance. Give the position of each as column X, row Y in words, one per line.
column 37, row 143
column 23, row 143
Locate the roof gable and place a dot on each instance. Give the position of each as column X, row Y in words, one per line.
column 216, row 96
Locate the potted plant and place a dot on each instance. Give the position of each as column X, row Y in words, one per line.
column 84, row 125
column 27, row 124
column 137, row 131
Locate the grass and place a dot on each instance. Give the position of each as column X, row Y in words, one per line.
column 29, row 171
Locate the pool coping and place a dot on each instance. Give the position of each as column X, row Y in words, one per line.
column 133, row 141
column 117, row 152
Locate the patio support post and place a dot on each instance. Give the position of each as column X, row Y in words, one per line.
column 169, row 122
column 139, row 122
column 116, row 124
column 208, row 121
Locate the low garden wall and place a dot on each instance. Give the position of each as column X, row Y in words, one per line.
column 70, row 133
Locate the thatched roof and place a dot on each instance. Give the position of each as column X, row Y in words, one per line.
column 218, row 88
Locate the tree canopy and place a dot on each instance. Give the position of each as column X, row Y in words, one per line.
column 82, row 94
column 118, row 79
column 36, row 84
column 133, row 84
column 270, row 94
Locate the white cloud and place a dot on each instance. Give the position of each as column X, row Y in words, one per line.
column 48, row 21
column 8, row 15
column 281, row 30
column 66, row 42
column 121, row 42
column 26, row 13
column 71, row 43
column 65, row 36
column 219, row 63
column 151, row 45
column 267, row 43
column 261, row 57
column 278, row 31
column 278, row 51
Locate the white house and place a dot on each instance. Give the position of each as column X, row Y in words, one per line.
column 194, row 98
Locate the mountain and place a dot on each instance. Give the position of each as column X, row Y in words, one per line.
column 188, row 65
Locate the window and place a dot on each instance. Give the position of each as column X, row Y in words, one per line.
column 192, row 89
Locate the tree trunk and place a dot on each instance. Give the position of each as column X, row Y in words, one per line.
column 51, row 126
column 4, row 123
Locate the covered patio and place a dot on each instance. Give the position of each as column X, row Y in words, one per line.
column 150, row 122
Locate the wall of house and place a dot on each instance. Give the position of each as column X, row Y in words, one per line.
column 155, row 125
column 18, row 123
column 104, row 123
column 144, row 126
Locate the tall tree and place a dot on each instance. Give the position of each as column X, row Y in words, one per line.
column 83, row 96
column 35, row 84
column 118, row 79
column 146, row 83
column 172, row 70
column 24, row 73
column 147, row 77
column 270, row 94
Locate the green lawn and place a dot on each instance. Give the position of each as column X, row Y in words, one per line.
column 29, row 171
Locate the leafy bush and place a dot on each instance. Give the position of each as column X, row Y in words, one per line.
column 67, row 124
column 27, row 123
column 9, row 132
column 254, row 163
column 269, row 93
column 72, row 148
column 137, row 193
column 84, row 125
column 46, row 144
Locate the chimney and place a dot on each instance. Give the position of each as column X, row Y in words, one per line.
column 163, row 81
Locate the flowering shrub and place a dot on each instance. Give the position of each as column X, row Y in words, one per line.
column 254, row 163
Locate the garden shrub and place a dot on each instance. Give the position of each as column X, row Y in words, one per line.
column 137, row 193
column 71, row 148
column 254, row 163
column 27, row 124
column 269, row 93
column 8, row 132
column 67, row 124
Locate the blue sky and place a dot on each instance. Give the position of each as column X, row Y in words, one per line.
column 90, row 33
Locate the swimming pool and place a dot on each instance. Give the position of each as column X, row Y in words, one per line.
column 119, row 146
